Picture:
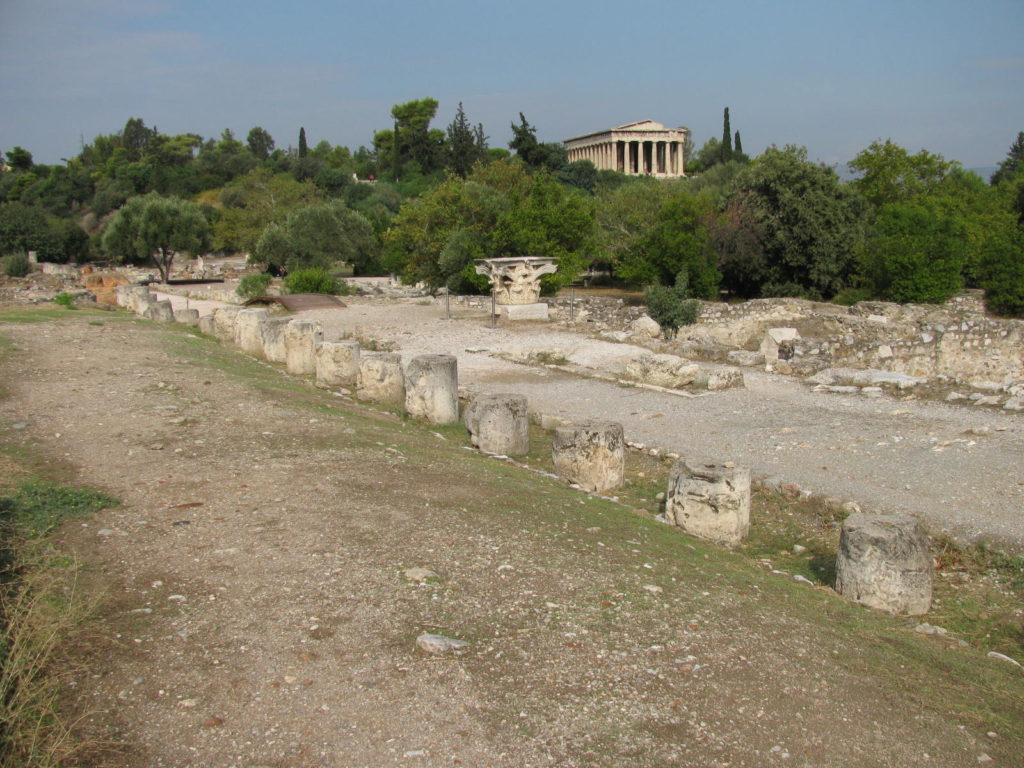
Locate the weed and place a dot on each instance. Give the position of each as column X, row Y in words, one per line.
column 546, row 357
column 39, row 507
column 65, row 300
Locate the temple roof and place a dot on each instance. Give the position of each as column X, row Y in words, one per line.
column 640, row 125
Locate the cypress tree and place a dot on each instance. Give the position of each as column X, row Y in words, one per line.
column 726, row 138
column 737, row 146
column 396, row 156
column 303, row 146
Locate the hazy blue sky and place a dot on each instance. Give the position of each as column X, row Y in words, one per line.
column 830, row 75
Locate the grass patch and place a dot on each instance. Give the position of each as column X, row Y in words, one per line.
column 39, row 507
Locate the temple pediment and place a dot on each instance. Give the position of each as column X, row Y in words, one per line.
column 642, row 125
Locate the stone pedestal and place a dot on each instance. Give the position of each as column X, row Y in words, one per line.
column 187, row 316
column 206, row 324
column 711, row 501
column 513, row 312
column 381, row 379
column 248, row 336
column 224, row 323
column 499, row 424
column 142, row 301
column 301, row 338
column 590, row 454
column 160, row 311
column 432, row 388
column 272, row 336
column 884, row 562
column 337, row 363
column 127, row 295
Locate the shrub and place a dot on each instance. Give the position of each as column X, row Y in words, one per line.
column 670, row 307
column 16, row 265
column 850, row 296
column 253, row 285
column 314, row 280
column 65, row 300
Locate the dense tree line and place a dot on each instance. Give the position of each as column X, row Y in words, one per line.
column 908, row 227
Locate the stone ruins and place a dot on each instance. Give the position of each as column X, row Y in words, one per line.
column 515, row 284
column 638, row 149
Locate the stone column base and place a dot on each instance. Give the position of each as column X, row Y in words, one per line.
column 538, row 311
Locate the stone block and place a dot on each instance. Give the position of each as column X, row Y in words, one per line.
column 719, row 379
column 662, row 370
column 432, row 388
column 206, row 324
column 224, row 323
column 513, row 312
column 777, row 345
column 711, row 501
column 272, row 336
column 884, row 562
column 301, row 338
column 499, row 423
column 160, row 311
column 248, row 336
column 337, row 363
column 590, row 454
column 142, row 301
column 645, row 327
column 381, row 379
column 188, row 317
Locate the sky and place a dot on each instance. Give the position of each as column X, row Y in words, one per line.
column 830, row 75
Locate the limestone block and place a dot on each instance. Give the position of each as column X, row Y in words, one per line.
column 301, row 338
column 711, row 501
column 248, row 336
column 590, row 454
column 224, row 322
column 142, row 302
column 432, row 388
column 160, row 311
column 272, row 336
column 206, row 324
column 720, row 379
column 381, row 379
column 884, row 562
column 127, row 294
column 745, row 357
column 776, row 340
column 662, row 370
column 337, row 363
column 499, row 423
column 187, row 316
column 645, row 327
column 513, row 312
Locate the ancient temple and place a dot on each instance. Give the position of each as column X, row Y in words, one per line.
column 643, row 148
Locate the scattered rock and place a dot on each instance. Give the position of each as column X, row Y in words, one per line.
column 419, row 574
column 439, row 644
column 1002, row 657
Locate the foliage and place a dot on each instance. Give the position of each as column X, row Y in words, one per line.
column 154, row 227
column 672, row 307
column 16, row 265
column 802, row 225
column 258, row 198
column 678, row 243
column 1002, row 276
column 19, row 159
column 890, row 174
column 915, row 254
column 317, row 236
column 253, row 285
column 39, row 507
column 581, row 174
column 65, row 300
column 314, row 280
column 726, row 148
column 536, row 155
column 260, row 143
column 465, row 146
column 1013, row 164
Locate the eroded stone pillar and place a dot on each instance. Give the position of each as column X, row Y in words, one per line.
column 301, row 338
column 142, row 302
column 206, row 324
column 337, row 363
column 188, row 317
column 224, row 322
column 590, row 454
column 499, row 423
column 160, row 311
column 381, row 379
column 432, row 388
column 884, row 562
column 711, row 501
column 248, row 335
column 272, row 337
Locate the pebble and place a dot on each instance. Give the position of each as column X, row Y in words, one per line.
column 803, row 579
column 799, row 549
column 439, row 644
column 1002, row 657
column 419, row 574
column 20, row 425
column 654, row 589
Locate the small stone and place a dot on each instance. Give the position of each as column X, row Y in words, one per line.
column 1002, row 657
column 176, row 598
column 419, row 574
column 20, row 425
column 438, row 644
column 799, row 549
column 213, row 722
column 654, row 589
column 803, row 579
column 188, row 703
column 983, row 759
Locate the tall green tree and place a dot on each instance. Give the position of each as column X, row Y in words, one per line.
column 737, row 144
column 463, row 148
column 890, row 174
column 317, row 236
column 726, row 155
column 1013, row 164
column 19, row 159
column 536, row 155
column 260, row 142
column 303, row 146
column 156, row 228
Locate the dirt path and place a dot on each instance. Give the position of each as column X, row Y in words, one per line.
column 257, row 613
column 959, row 467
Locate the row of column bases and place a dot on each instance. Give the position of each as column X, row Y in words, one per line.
column 656, row 158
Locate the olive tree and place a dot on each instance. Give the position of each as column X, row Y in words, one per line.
column 157, row 228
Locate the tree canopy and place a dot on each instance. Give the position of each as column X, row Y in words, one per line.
column 156, row 228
